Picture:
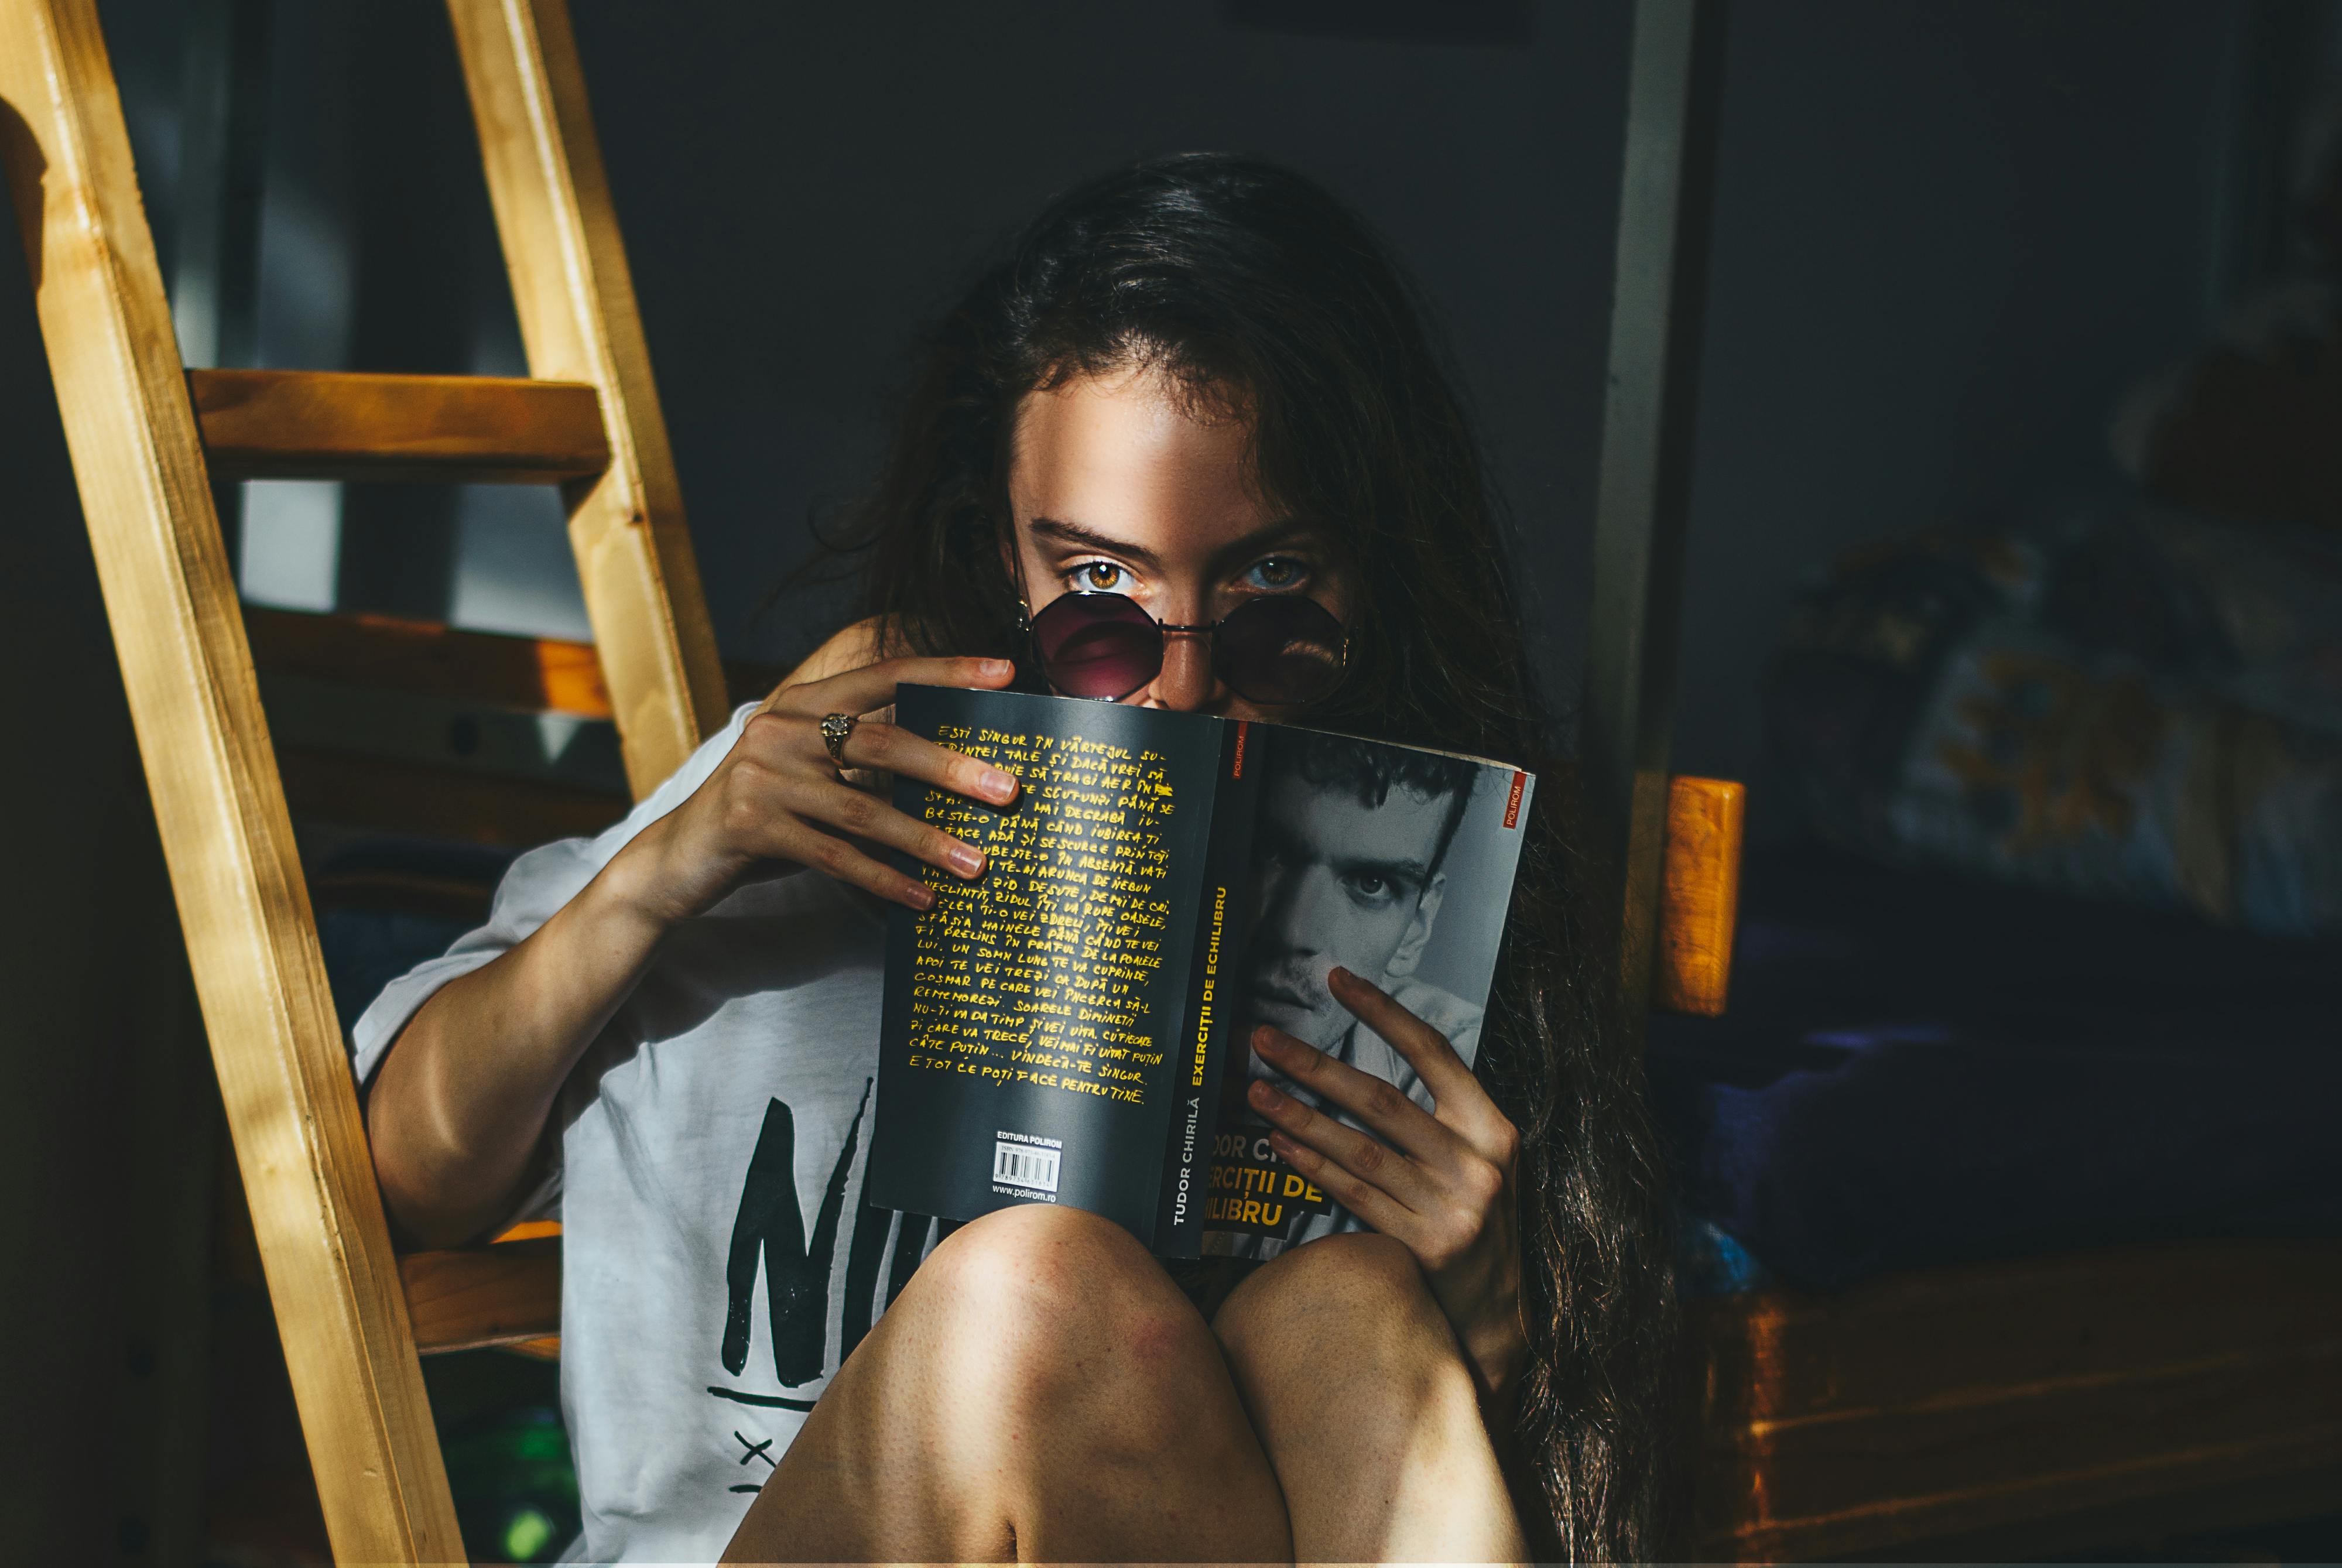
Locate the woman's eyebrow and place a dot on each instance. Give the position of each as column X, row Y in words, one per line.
column 1284, row 531
column 1083, row 538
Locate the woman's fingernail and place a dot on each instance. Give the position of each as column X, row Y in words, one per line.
column 1338, row 972
column 965, row 859
column 999, row 785
column 922, row 895
column 997, row 666
column 1265, row 1094
column 1267, row 1041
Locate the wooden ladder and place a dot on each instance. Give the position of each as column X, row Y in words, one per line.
column 146, row 439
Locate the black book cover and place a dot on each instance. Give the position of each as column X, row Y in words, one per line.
column 1033, row 1027
column 1071, row 1026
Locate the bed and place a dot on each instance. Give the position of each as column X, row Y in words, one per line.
column 2013, row 1222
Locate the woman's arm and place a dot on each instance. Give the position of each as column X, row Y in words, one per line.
column 461, row 1101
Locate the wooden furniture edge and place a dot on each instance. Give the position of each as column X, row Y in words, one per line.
column 496, row 669
column 430, row 802
column 471, row 1298
column 2056, row 1389
column 538, row 675
column 446, row 429
column 1699, row 895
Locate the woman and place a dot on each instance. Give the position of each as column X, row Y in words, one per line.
column 1196, row 383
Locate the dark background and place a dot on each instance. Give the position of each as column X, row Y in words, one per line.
column 1946, row 236
column 1947, row 233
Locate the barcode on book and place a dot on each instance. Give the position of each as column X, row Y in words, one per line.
column 1023, row 1165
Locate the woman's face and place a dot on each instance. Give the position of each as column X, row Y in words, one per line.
column 1118, row 486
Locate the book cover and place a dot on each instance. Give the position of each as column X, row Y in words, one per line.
column 1072, row 1026
column 1394, row 863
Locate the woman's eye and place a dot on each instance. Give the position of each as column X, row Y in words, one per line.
column 1276, row 575
column 1099, row 577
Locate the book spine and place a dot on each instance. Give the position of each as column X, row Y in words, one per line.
column 1212, row 1017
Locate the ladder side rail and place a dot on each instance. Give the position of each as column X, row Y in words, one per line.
column 195, row 703
column 575, row 299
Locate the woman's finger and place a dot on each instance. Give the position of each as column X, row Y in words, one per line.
column 835, row 857
column 1380, row 1105
column 1387, row 1170
column 889, row 749
column 873, row 686
column 1363, row 1197
column 1462, row 1102
column 868, row 818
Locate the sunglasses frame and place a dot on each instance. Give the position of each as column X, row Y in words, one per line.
column 1166, row 631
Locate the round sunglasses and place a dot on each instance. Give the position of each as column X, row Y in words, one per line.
column 1274, row 649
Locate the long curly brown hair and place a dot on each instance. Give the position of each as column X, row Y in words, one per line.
column 1259, row 291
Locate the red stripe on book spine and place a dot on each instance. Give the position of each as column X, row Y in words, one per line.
column 1513, row 801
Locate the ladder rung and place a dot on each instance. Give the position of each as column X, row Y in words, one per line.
column 343, row 425
column 439, row 802
column 540, row 675
column 404, row 893
column 476, row 1297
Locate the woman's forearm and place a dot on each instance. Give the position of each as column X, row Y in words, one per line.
column 460, row 1104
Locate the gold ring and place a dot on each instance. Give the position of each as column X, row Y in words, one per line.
column 836, row 729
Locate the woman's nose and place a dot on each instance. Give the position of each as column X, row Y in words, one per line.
column 1186, row 683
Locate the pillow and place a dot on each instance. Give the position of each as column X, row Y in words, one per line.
column 2136, row 704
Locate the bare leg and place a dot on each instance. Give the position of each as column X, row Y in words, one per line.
column 1040, row 1390
column 1359, row 1393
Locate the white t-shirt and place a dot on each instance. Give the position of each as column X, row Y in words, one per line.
column 747, row 1054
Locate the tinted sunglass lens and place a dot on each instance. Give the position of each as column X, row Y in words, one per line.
column 1096, row 644
column 1280, row 648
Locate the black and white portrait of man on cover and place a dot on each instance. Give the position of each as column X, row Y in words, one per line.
column 1351, row 866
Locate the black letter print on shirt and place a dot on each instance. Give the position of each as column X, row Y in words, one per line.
column 797, row 1276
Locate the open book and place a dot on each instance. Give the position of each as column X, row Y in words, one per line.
column 1074, row 1026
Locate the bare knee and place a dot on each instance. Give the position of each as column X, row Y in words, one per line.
column 1365, row 1279
column 1060, row 1314
column 1041, row 1272
column 1359, row 1291
column 1362, row 1402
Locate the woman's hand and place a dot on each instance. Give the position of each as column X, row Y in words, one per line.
column 460, row 1106
column 1445, row 1186
column 776, row 804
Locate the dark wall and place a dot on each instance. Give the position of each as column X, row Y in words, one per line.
column 1946, row 233
column 838, row 174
